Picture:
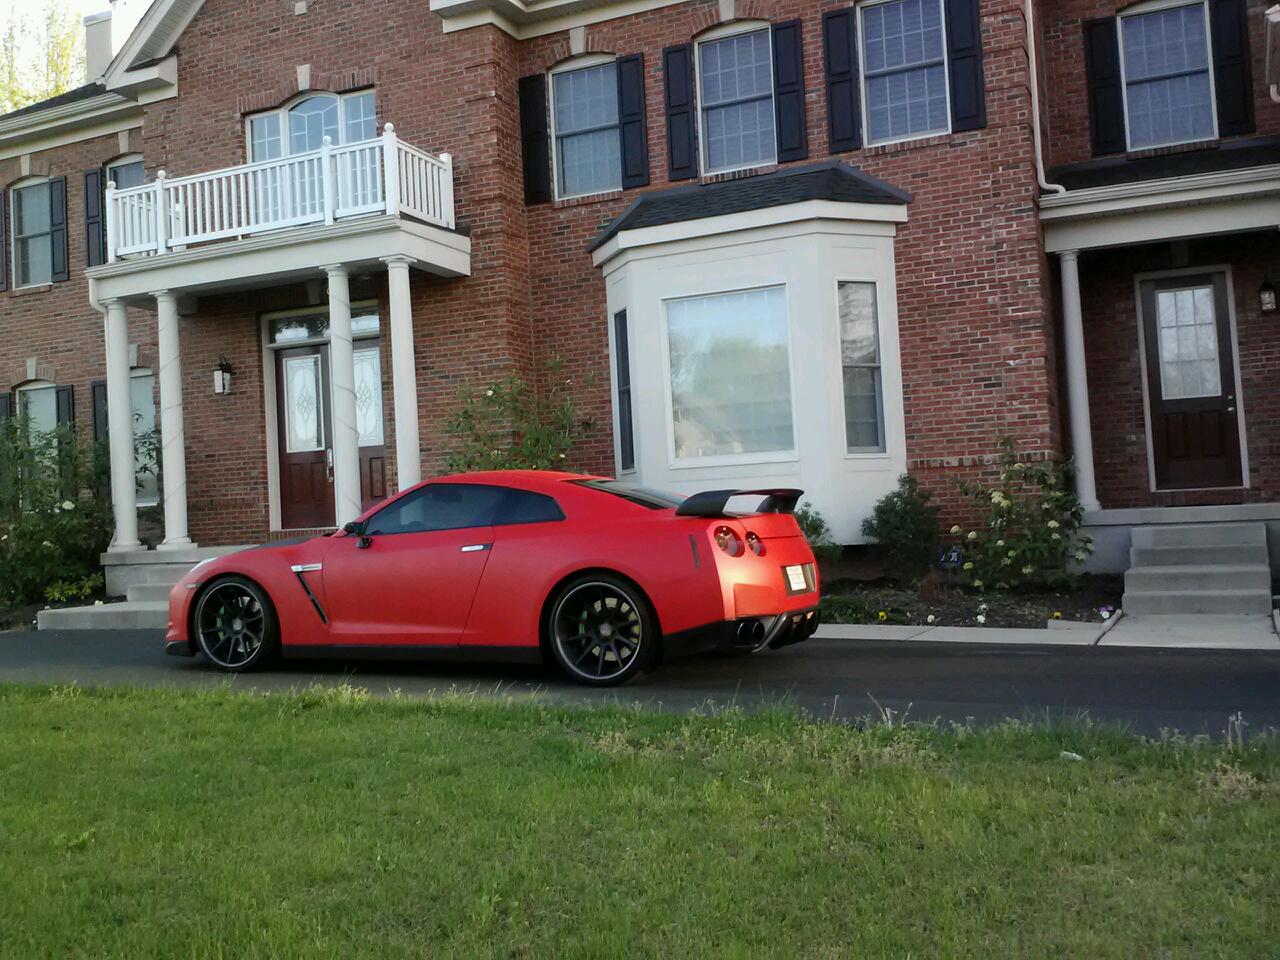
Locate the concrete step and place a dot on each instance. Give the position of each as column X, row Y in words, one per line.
column 135, row 615
column 126, row 568
column 1200, row 535
column 1244, row 553
column 1197, row 601
column 148, row 592
column 1167, row 579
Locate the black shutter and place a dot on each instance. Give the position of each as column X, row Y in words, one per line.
column 66, row 405
column 1106, row 100
column 6, row 408
column 94, row 239
column 840, row 50
column 58, row 229
column 622, row 359
column 632, row 121
column 535, row 139
column 4, row 240
column 788, row 91
column 682, row 135
column 98, row 392
column 964, row 60
column 1232, row 76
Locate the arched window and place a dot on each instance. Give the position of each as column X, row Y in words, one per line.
column 301, row 126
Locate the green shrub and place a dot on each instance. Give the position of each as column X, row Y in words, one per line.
column 905, row 525
column 510, row 425
column 1031, row 536
column 53, row 526
column 814, row 527
column 77, row 588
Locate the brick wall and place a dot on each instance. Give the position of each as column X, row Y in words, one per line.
column 1065, row 114
column 1115, row 377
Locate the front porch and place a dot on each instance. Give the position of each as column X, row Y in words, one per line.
column 184, row 248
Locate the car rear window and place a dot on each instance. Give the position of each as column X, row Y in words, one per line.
column 641, row 496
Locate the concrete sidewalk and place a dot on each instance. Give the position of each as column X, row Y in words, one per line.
column 1184, row 631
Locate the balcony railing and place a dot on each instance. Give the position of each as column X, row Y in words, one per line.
column 385, row 175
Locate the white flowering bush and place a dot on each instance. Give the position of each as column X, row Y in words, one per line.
column 52, row 525
column 510, row 425
column 1031, row 533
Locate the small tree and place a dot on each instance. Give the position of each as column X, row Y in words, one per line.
column 905, row 525
column 509, row 425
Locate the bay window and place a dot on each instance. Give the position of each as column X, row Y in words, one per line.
column 735, row 101
column 1168, row 93
column 730, row 374
column 904, row 69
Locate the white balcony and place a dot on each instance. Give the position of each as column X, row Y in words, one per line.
column 332, row 184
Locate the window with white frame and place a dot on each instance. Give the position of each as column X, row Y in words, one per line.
column 142, row 403
column 127, row 172
column 1168, row 91
column 860, row 360
column 735, row 101
column 730, row 374
column 302, row 126
column 904, row 69
column 588, row 141
column 32, row 227
column 38, row 407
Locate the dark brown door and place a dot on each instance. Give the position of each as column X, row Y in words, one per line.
column 306, row 475
column 1195, row 433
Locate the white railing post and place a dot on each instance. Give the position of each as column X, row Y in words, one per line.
column 112, row 217
column 162, row 214
column 327, row 179
column 390, row 169
column 446, row 190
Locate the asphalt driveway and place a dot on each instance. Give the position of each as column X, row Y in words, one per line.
column 1193, row 691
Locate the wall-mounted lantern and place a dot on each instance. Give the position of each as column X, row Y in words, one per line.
column 222, row 376
column 1267, row 296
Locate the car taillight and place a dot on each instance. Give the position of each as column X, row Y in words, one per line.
column 755, row 544
column 728, row 541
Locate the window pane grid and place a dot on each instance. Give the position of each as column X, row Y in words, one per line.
column 904, row 69
column 1188, row 344
column 588, row 141
column 860, row 358
column 1167, row 86
column 735, row 87
column 730, row 374
column 33, row 235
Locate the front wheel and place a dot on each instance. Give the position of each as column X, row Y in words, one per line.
column 235, row 625
column 602, row 631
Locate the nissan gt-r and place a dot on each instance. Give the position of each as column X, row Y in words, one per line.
column 601, row 577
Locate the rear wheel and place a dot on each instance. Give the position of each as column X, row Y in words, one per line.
column 601, row 631
column 235, row 625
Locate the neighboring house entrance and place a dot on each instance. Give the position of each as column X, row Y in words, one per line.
column 1191, row 381
column 304, row 419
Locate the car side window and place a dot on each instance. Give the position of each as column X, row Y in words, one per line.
column 524, row 506
column 439, row 506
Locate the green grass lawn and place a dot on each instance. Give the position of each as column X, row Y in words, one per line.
column 160, row 824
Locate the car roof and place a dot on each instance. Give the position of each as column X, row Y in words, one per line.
column 539, row 480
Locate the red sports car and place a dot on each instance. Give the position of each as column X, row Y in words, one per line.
column 603, row 577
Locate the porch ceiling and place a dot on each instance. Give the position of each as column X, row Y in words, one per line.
column 284, row 257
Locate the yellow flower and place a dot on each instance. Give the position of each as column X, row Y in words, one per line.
column 882, row 615
column 968, row 565
column 973, row 535
column 1057, row 614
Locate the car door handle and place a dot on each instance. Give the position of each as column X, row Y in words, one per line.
column 475, row 547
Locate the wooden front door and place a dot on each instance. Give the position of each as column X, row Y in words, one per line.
column 306, row 432
column 1191, row 377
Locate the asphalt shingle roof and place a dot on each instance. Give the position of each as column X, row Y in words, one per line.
column 71, row 96
column 1108, row 171
column 833, row 180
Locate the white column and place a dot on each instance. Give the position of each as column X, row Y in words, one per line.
column 173, row 450
column 1077, row 381
column 404, row 375
column 124, row 491
column 342, row 376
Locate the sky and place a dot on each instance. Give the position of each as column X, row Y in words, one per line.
column 30, row 8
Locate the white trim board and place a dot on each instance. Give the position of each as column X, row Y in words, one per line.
column 524, row 19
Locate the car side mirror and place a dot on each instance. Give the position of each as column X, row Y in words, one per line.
column 354, row 527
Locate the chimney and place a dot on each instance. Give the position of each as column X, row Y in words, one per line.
column 98, row 46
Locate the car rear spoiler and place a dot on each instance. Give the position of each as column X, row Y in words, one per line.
column 711, row 503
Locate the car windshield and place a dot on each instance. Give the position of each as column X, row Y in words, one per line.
column 642, row 496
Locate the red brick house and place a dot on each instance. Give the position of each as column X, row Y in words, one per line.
column 771, row 242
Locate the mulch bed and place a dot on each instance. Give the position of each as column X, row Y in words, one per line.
column 849, row 601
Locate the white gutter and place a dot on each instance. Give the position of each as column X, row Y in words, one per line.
column 1028, row 18
column 1273, row 50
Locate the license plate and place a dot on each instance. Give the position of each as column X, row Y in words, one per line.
column 795, row 578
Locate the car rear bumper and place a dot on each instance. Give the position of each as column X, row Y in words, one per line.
column 744, row 634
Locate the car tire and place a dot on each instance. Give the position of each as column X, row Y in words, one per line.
column 235, row 626
column 601, row 630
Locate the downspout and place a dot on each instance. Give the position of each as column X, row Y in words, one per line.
column 1273, row 27
column 1029, row 20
